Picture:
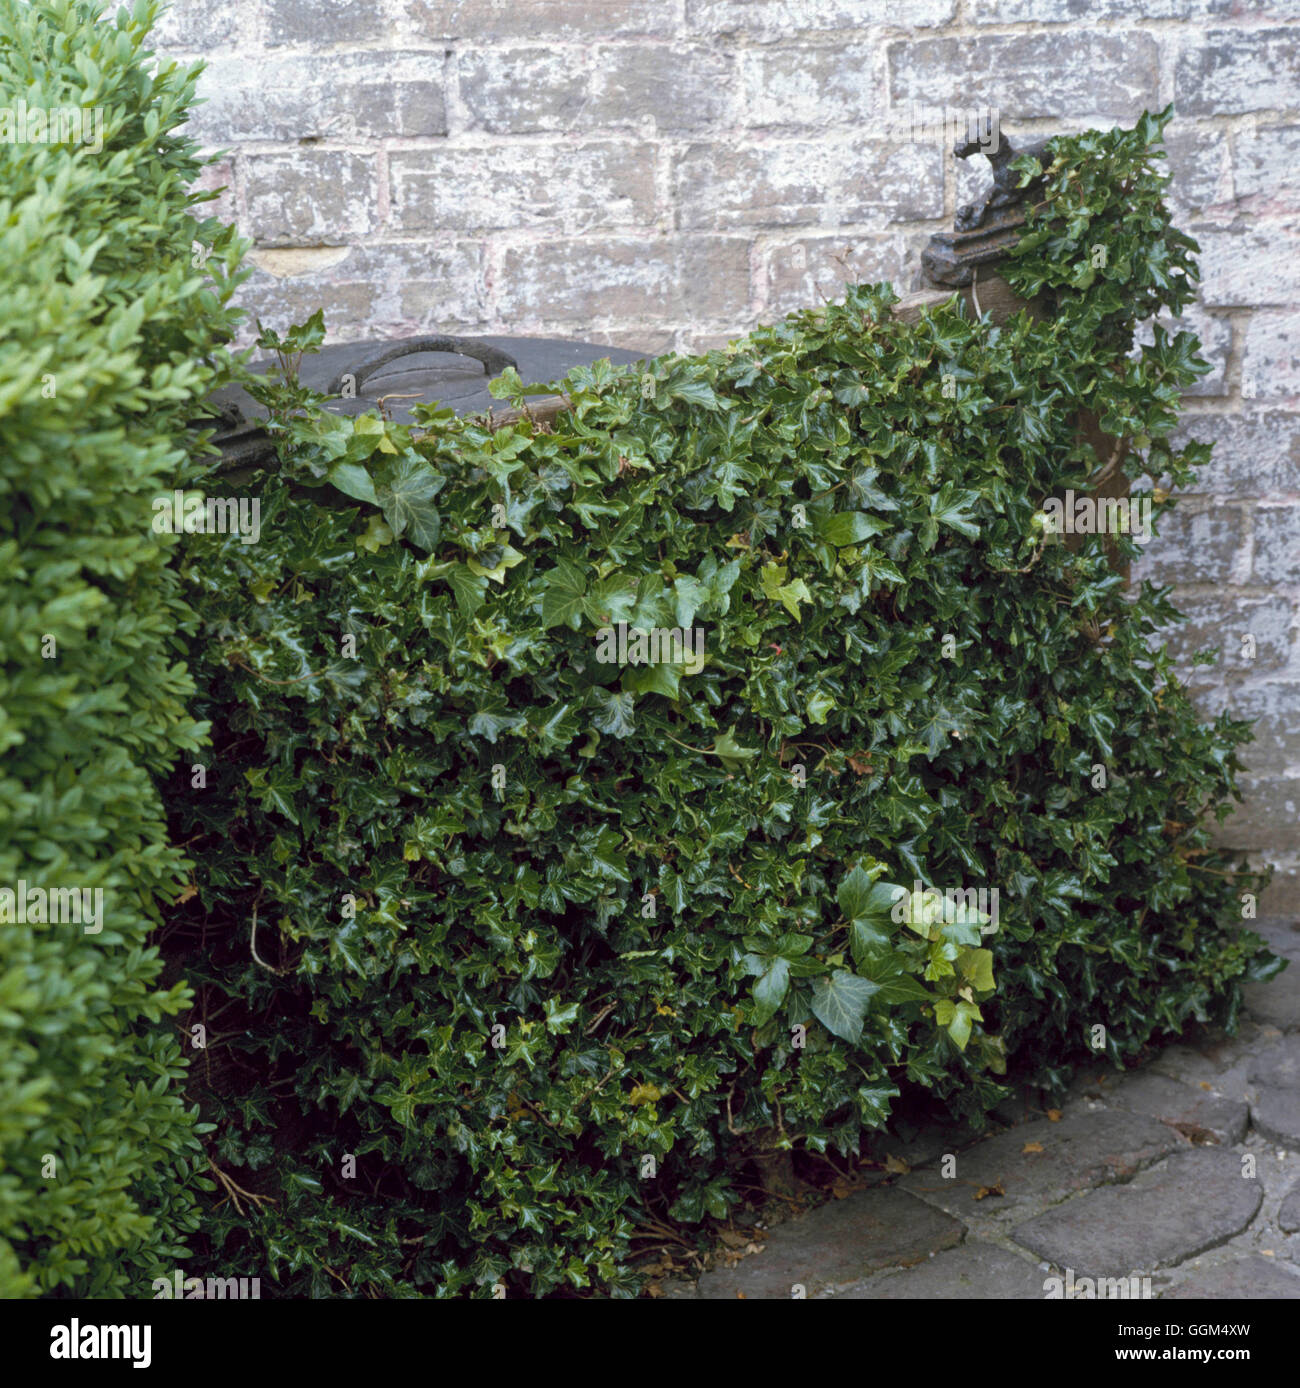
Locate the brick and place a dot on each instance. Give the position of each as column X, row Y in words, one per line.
column 1264, row 164
column 800, row 182
column 1221, row 619
column 377, row 290
column 672, row 89
column 1090, row 11
column 211, row 178
column 1277, row 544
column 626, row 279
column 1255, row 452
column 1198, row 162
column 1194, row 546
column 311, row 197
column 773, row 19
column 195, row 26
column 567, row 187
column 806, row 273
column 1232, row 71
column 1268, row 817
column 523, row 91
column 1270, row 357
column 1215, row 336
column 1033, row 76
column 1274, row 708
column 536, row 21
column 802, row 86
column 1249, row 268
column 302, row 97
column 323, row 21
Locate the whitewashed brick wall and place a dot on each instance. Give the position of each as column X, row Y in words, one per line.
column 666, row 173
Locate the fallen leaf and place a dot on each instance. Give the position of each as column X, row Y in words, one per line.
column 188, row 893
column 1194, row 1133
column 989, row 1190
column 1032, row 1147
column 896, row 1166
column 733, row 1239
column 1205, row 1084
column 1054, row 1114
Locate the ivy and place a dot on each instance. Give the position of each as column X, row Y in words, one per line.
column 553, row 944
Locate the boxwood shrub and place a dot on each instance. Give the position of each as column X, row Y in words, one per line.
column 108, row 343
column 518, row 950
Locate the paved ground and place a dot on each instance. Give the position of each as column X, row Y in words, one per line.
column 1186, row 1172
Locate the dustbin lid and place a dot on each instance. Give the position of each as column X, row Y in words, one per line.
column 452, row 378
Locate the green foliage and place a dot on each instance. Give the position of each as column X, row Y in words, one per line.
column 528, row 919
column 107, row 343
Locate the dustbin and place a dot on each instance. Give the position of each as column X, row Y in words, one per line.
column 403, row 372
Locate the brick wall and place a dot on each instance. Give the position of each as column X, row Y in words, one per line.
column 665, row 173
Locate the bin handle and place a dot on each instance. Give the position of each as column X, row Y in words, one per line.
column 494, row 361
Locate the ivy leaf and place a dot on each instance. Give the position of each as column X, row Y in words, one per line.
column 839, row 1002
column 770, row 990
column 862, row 899
column 470, row 589
column 873, row 1103
column 732, row 754
column 851, row 528
column 405, row 493
column 614, row 714
column 957, row 1018
column 950, row 506
column 353, row 480
column 563, row 596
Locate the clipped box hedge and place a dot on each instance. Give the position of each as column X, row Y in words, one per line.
column 547, row 947
column 108, row 341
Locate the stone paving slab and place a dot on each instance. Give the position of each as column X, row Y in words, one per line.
column 1083, row 1150
column 1288, row 1217
column 1256, row 1278
column 1217, row 1060
column 1194, row 1201
column 1172, row 1102
column 974, row 1272
column 1275, row 1076
column 839, row 1242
